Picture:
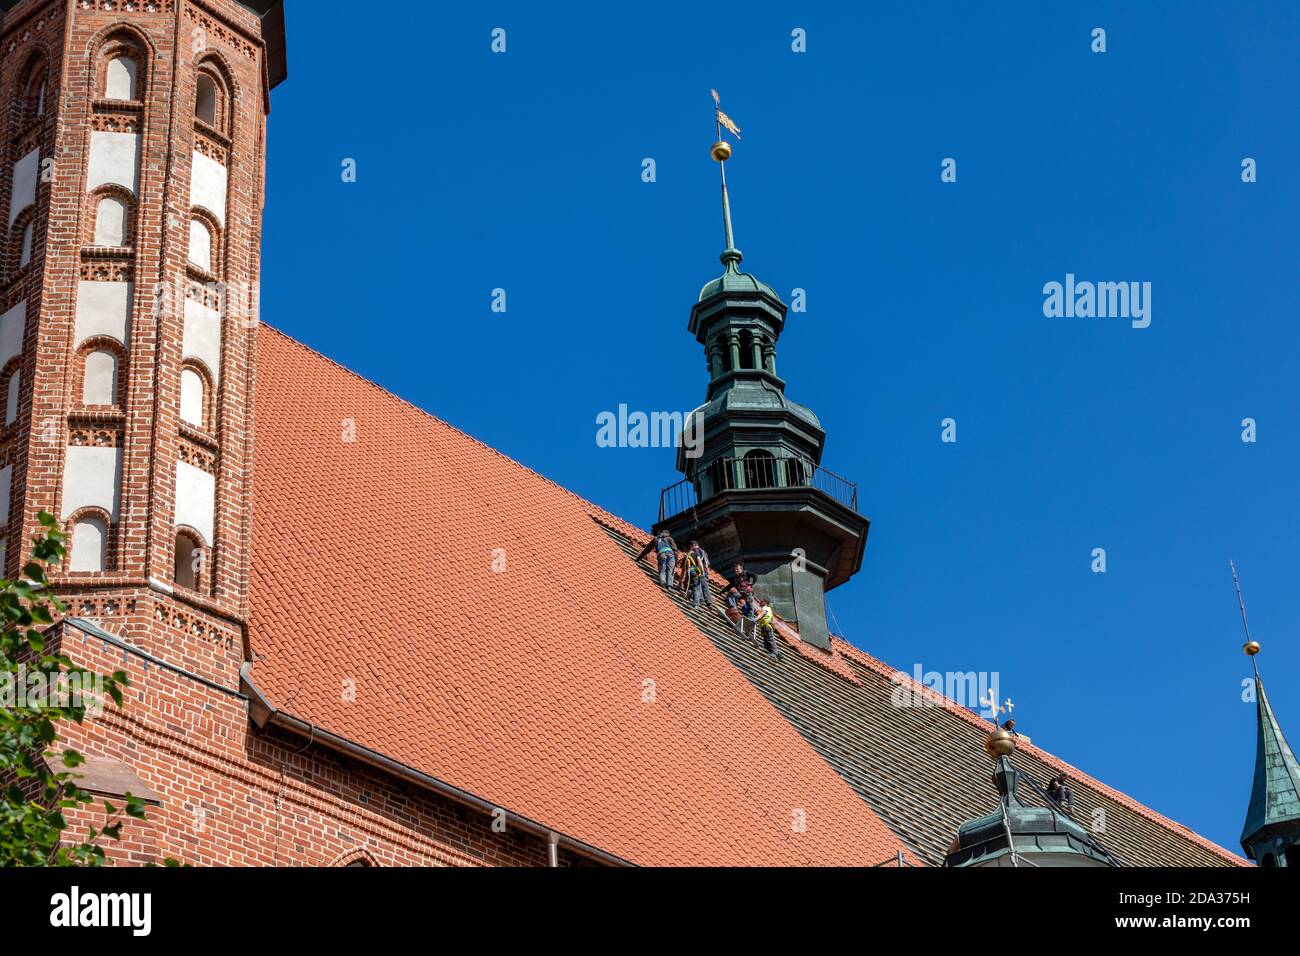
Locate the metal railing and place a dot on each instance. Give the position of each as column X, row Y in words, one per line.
column 754, row 471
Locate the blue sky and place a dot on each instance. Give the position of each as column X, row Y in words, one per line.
column 522, row 171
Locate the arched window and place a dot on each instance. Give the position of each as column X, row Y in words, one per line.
column 725, row 348
column 111, row 216
column 12, row 377
column 194, row 397
column 355, row 858
column 205, row 99
column 201, row 244
column 211, row 100
column 89, row 544
column 22, row 237
column 121, row 67
column 746, row 349
column 99, row 379
column 189, row 561
column 760, row 469
column 120, row 78
column 1269, row 860
column 31, row 101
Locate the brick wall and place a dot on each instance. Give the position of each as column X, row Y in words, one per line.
column 175, row 40
column 233, row 796
column 229, row 794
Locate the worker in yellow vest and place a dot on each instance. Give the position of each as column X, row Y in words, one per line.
column 767, row 627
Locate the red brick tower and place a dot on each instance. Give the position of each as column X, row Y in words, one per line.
column 132, row 187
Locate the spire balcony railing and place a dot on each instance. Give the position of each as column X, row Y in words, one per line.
column 754, row 471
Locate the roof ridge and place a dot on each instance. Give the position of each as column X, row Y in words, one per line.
column 884, row 669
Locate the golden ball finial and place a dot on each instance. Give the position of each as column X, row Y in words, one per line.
column 1250, row 648
column 721, row 151
column 1000, row 743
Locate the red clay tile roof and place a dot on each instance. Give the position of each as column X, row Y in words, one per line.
column 373, row 562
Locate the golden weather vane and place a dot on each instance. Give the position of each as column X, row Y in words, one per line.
column 721, row 152
column 723, row 120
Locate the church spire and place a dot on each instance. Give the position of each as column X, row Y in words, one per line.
column 753, row 488
column 1271, row 836
column 721, row 152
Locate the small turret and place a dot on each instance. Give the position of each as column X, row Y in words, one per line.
column 1271, row 836
column 754, row 490
column 1018, row 834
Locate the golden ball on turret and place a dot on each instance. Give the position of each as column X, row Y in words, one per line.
column 1250, row 648
column 721, row 151
column 1000, row 743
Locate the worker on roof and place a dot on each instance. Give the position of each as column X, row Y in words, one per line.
column 767, row 627
column 702, row 557
column 1058, row 788
column 666, row 552
column 738, row 592
column 693, row 577
column 748, row 615
column 740, row 586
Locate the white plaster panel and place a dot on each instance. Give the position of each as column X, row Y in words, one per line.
column 200, row 245
column 208, row 186
column 114, row 158
column 191, row 397
column 99, row 381
column 12, row 325
column 202, row 339
column 196, row 496
column 6, row 486
column 121, row 79
column 92, row 477
column 88, row 539
column 103, row 308
column 23, row 194
column 110, row 222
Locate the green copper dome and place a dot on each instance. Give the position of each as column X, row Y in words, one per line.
column 1018, row 833
column 733, row 280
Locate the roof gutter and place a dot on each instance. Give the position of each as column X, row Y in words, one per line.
column 266, row 713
